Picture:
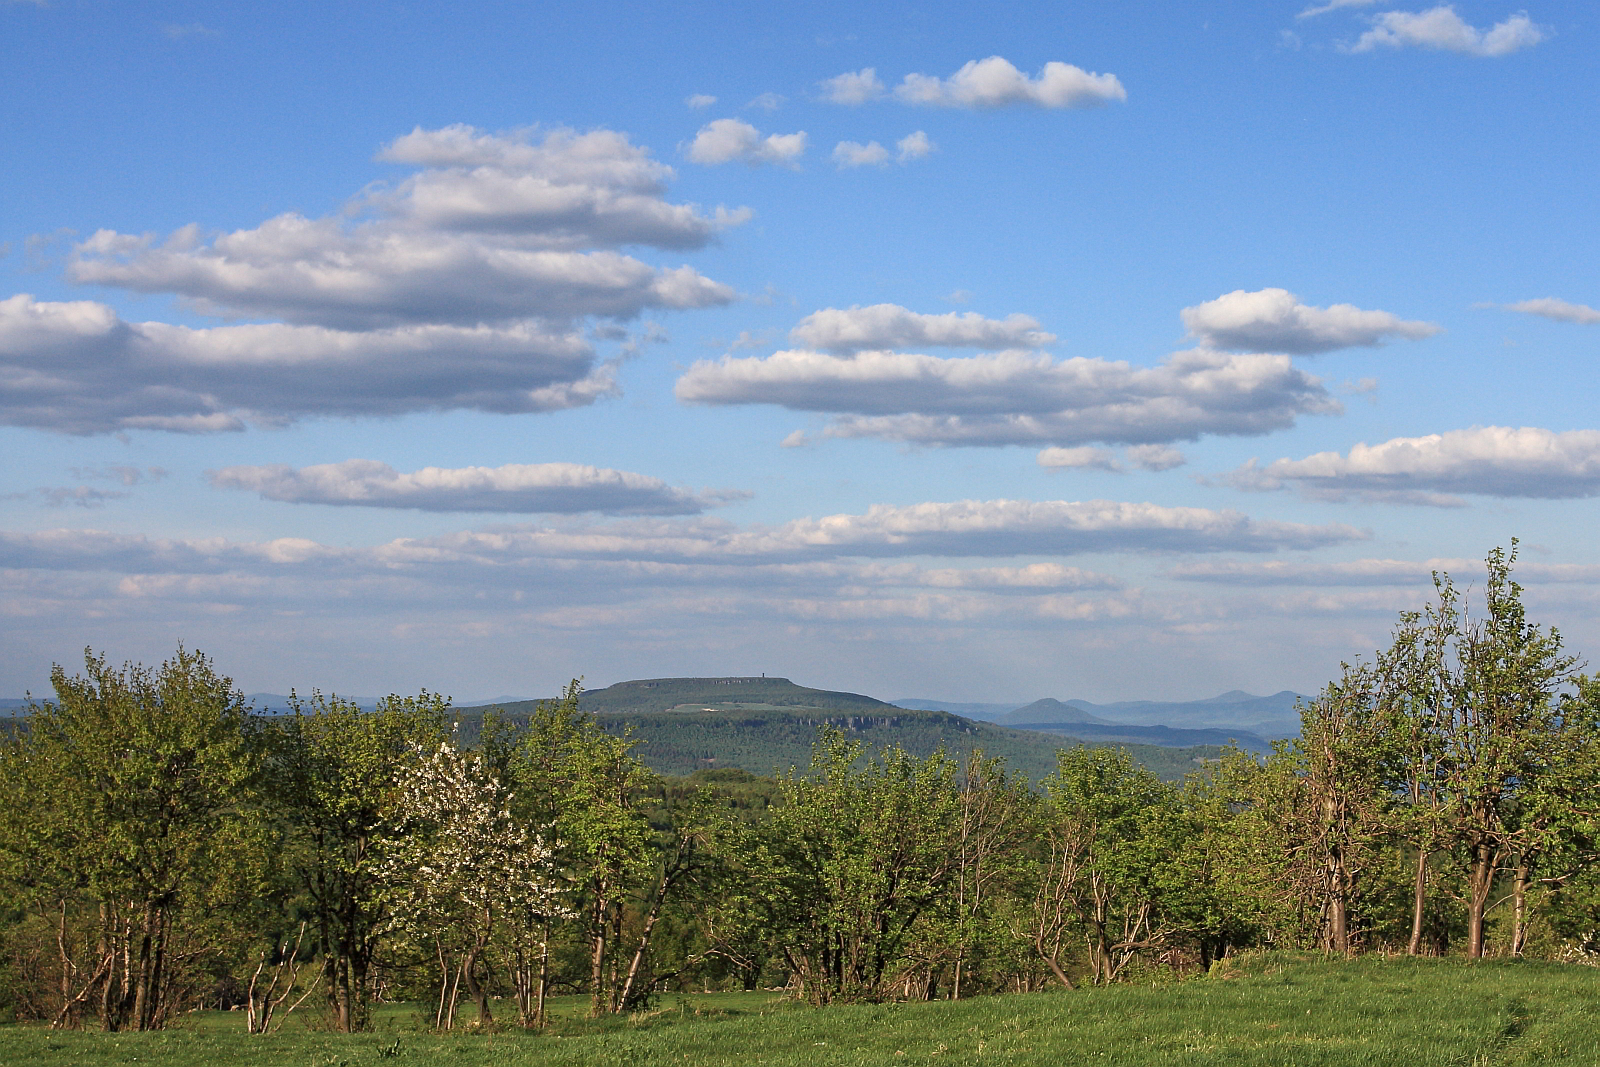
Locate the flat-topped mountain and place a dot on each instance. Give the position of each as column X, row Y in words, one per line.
column 768, row 725
column 648, row 695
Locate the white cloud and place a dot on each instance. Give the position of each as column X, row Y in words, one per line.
column 913, row 146
column 1550, row 308
column 120, row 473
column 1496, row 461
column 994, row 82
column 1083, row 457
column 1145, row 457
column 1377, row 572
column 880, row 326
column 956, row 529
column 851, row 154
column 1019, row 398
column 1274, row 320
column 1156, row 457
column 1034, row 576
column 83, row 496
column 1442, row 29
column 78, row 368
column 700, row 100
column 495, row 228
column 1333, row 5
column 521, row 488
column 767, row 102
column 855, row 87
column 726, row 140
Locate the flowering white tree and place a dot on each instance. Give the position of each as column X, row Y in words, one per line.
column 457, row 863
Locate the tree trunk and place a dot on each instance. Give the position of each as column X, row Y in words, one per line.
column 643, row 947
column 1418, row 899
column 1519, row 928
column 69, row 1017
column 1338, row 911
column 478, row 990
column 1480, row 884
column 141, row 994
column 597, row 962
column 544, row 978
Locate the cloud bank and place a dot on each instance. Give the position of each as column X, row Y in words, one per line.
column 463, row 285
column 77, row 367
column 495, row 228
column 1495, row 461
column 521, row 488
column 1017, row 397
column 1274, row 320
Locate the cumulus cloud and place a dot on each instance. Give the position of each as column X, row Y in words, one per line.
column 700, row 100
column 1156, row 457
column 853, row 87
column 521, row 488
column 908, row 149
column 994, row 82
column 852, row 154
column 1274, row 320
column 912, row 146
column 1442, row 29
column 1495, row 461
column 1560, row 310
column 727, row 140
column 77, row 367
column 494, row 228
column 1018, row 397
column 881, row 326
column 767, row 102
column 1083, row 457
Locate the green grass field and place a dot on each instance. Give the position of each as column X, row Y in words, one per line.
column 1267, row 1011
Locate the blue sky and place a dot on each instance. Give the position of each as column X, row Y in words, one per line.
column 969, row 351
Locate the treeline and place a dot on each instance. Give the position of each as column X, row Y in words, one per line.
column 164, row 848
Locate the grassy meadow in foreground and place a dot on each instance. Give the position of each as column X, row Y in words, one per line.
column 1268, row 1010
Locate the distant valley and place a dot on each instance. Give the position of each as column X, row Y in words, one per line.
column 767, row 725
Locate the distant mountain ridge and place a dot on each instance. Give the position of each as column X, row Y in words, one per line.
column 650, row 695
column 1052, row 710
column 1265, row 716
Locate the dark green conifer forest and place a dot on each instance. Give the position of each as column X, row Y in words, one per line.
column 163, row 847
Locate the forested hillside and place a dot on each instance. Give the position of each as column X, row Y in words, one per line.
column 774, row 739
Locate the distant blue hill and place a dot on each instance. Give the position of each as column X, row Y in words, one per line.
column 1268, row 716
column 981, row 712
column 1235, row 713
column 1166, row 736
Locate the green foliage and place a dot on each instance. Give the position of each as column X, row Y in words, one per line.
column 334, row 772
column 161, row 847
column 129, row 800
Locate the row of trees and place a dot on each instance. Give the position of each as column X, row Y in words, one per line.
column 161, row 847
